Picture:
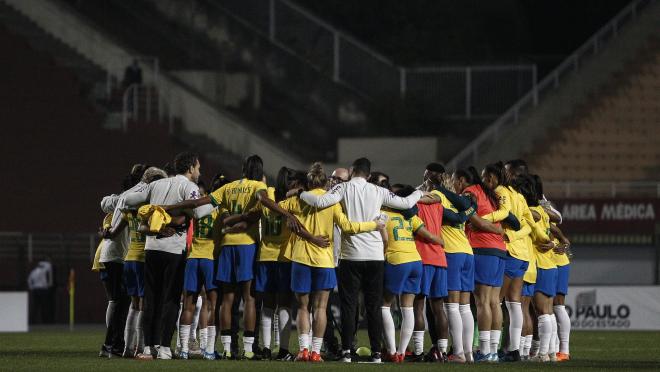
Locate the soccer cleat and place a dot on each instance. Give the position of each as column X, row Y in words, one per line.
column 303, row 355
column 415, row 358
column 540, row 358
column 128, row 353
column 553, row 357
column 455, row 358
column 433, row 355
column 375, row 358
column 479, row 357
column 524, row 358
column 392, row 358
column 346, row 357
column 469, row 358
column 402, row 357
column 193, row 348
column 315, row 357
column 227, row 355
column 248, row 355
column 512, row 356
column 183, row 355
column 106, row 351
column 285, row 356
column 493, row 358
column 563, row 357
column 266, row 354
column 209, row 356
column 164, row 353
column 444, row 358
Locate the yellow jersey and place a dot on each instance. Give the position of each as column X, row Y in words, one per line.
column 203, row 236
column 511, row 199
column 319, row 222
column 401, row 246
column 274, row 234
column 560, row 259
column 541, row 234
column 454, row 236
column 530, row 274
column 96, row 264
column 136, row 247
column 237, row 197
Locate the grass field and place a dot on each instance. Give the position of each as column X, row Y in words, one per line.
column 58, row 349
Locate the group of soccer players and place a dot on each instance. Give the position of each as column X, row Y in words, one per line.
column 461, row 243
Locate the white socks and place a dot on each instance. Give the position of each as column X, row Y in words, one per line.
column 139, row 332
column 317, row 342
column 276, row 331
column 545, row 332
column 554, row 348
column 203, row 335
column 129, row 329
column 468, row 327
column 266, row 326
column 184, row 335
column 495, row 336
column 564, row 325
column 226, row 342
column 522, row 344
column 407, row 326
column 284, row 325
column 455, row 327
column 388, row 329
column 443, row 343
column 109, row 311
column 195, row 322
column 484, row 342
column 303, row 341
column 534, row 349
column 515, row 324
column 418, row 342
column 528, row 345
column 247, row 343
column 210, row 339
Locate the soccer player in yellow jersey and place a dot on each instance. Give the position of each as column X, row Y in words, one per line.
column 403, row 272
column 273, row 276
column 313, row 267
column 238, row 252
column 457, row 209
column 518, row 254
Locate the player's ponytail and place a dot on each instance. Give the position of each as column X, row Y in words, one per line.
column 316, row 177
column 284, row 177
column 497, row 170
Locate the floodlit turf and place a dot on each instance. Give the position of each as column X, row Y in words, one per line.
column 58, row 349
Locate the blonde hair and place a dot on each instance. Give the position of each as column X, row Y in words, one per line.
column 316, row 177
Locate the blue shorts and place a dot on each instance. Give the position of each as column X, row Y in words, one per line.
column 546, row 282
column 103, row 275
column 562, row 279
column 460, row 272
column 403, row 278
column 489, row 270
column 273, row 277
column 134, row 278
column 199, row 271
column 528, row 289
column 306, row 279
column 236, row 263
column 434, row 281
column 515, row 268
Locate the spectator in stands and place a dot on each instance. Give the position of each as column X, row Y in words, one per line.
column 41, row 286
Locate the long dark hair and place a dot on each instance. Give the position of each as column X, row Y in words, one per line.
column 472, row 177
column 538, row 185
column 285, row 178
column 524, row 184
column 497, row 170
column 253, row 168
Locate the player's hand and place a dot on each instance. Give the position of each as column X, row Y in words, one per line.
column 236, row 228
column 167, row 231
column 320, row 241
column 544, row 247
column 101, row 233
column 293, row 192
column 293, row 224
column 560, row 249
column 381, row 221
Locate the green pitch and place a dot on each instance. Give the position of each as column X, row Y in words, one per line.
column 58, row 349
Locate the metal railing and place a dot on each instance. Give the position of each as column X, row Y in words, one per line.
column 451, row 91
column 551, row 82
column 138, row 101
column 635, row 190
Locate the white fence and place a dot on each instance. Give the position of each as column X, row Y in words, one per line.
column 454, row 91
column 510, row 118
